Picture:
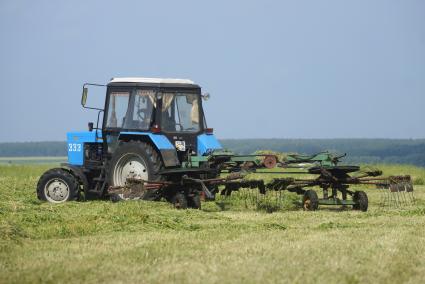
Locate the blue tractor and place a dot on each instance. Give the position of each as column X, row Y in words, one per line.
column 152, row 130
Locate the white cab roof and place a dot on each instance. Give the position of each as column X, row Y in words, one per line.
column 151, row 80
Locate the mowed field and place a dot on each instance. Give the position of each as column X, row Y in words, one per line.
column 228, row 241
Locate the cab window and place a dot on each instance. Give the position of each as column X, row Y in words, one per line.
column 180, row 112
column 141, row 115
column 118, row 105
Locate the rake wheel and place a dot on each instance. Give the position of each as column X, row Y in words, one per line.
column 310, row 200
column 179, row 201
column 361, row 200
column 194, row 201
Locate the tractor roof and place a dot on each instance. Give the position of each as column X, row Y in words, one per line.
column 152, row 82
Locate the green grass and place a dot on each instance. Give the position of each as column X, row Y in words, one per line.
column 229, row 241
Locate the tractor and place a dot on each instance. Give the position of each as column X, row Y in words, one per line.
column 151, row 141
column 149, row 126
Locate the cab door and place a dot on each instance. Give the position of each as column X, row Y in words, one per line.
column 181, row 121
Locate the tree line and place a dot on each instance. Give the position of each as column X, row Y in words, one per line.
column 402, row 151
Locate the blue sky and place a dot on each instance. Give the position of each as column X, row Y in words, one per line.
column 274, row 69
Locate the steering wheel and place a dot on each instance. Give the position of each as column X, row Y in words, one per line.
column 181, row 126
column 140, row 112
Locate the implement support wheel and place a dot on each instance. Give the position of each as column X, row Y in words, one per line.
column 194, row 201
column 179, row 201
column 310, row 200
column 361, row 200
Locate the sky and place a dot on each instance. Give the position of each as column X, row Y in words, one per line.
column 274, row 69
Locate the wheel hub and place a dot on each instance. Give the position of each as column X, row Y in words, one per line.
column 129, row 166
column 56, row 191
column 307, row 204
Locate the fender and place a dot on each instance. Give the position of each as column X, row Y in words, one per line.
column 78, row 172
column 208, row 143
column 162, row 144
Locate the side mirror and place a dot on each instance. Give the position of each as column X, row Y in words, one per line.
column 84, row 96
column 91, row 124
column 206, row 96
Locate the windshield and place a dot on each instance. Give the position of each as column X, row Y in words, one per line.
column 180, row 112
column 131, row 111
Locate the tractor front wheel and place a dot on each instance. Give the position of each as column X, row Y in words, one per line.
column 361, row 201
column 57, row 186
column 310, row 200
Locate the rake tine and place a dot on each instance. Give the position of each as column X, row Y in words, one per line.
column 392, row 199
column 399, row 194
column 402, row 191
column 394, row 195
column 406, row 190
column 409, row 190
column 383, row 193
column 381, row 189
column 388, row 199
column 397, row 197
column 411, row 198
column 394, row 202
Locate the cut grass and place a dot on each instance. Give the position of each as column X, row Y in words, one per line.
column 138, row 241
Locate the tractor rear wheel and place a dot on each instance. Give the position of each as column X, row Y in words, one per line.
column 361, row 200
column 57, row 186
column 135, row 159
column 310, row 200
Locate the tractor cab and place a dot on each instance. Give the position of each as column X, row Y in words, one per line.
column 170, row 108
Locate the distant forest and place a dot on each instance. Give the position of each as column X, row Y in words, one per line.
column 400, row 151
